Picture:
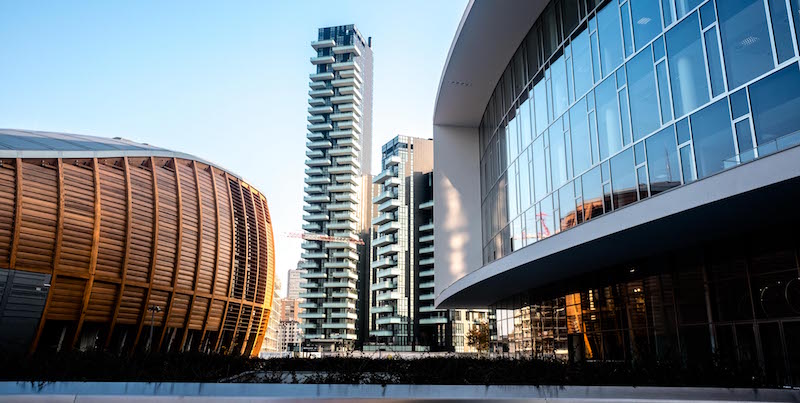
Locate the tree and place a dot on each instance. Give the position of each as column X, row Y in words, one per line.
column 478, row 337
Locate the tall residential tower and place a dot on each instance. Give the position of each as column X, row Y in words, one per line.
column 337, row 192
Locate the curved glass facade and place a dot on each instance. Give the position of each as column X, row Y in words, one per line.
column 604, row 105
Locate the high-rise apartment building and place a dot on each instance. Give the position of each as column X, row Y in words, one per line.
column 293, row 286
column 337, row 188
column 398, row 234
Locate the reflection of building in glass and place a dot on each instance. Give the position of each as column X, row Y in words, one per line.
column 637, row 169
column 115, row 245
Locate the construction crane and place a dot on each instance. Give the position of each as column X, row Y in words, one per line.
column 310, row 236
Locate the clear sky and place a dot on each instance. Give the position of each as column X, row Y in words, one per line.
column 226, row 81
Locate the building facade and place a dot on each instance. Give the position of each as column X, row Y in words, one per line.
column 110, row 244
column 293, row 289
column 272, row 336
column 630, row 167
column 337, row 205
column 290, row 336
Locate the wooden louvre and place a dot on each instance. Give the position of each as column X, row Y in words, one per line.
column 121, row 234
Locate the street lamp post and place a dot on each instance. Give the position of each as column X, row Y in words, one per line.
column 153, row 309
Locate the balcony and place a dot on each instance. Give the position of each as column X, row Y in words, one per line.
column 308, row 315
column 315, row 119
column 349, row 142
column 350, row 73
column 312, row 189
column 393, row 160
column 338, row 50
column 426, row 238
column 318, row 162
column 426, row 227
column 307, row 305
column 314, row 171
column 314, row 255
column 342, row 207
column 344, row 336
column 352, row 179
column 314, row 145
column 383, row 285
column 348, row 161
column 426, row 297
column 381, row 333
column 383, row 196
column 383, row 218
column 346, row 234
column 349, row 216
column 316, row 101
column 427, row 273
column 327, row 75
column 311, row 285
column 344, row 82
column 392, row 182
column 313, row 275
column 322, row 60
column 385, row 296
column 325, row 43
column 429, row 308
column 327, row 92
column 341, row 188
column 320, row 127
column 310, row 227
column 339, row 284
column 345, row 99
column 388, row 250
column 426, row 262
column 343, row 151
column 316, row 199
column 341, row 134
column 350, row 90
column 350, row 107
column 344, row 274
column 316, row 110
column 310, row 295
column 308, row 265
column 433, row 321
column 339, row 325
column 383, row 240
column 311, row 336
column 312, row 208
column 343, row 169
column 345, row 255
column 340, row 265
column 344, row 315
column 383, row 262
column 317, row 85
column 340, row 245
column 381, row 309
column 426, row 285
column 348, row 225
column 346, row 197
column 317, row 180
column 307, row 326
column 426, row 250
column 391, row 226
column 344, row 116
column 351, row 65
column 389, row 205
column 390, row 272
column 315, row 217
column 389, row 320
column 339, row 305
column 314, row 153
column 427, row 205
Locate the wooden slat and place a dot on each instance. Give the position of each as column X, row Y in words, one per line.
column 17, row 216
column 216, row 254
column 233, row 260
column 177, row 251
column 199, row 252
column 267, row 306
column 256, row 277
column 56, row 253
column 246, row 268
column 126, row 257
column 153, row 256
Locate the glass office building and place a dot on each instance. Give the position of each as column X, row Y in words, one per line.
column 637, row 167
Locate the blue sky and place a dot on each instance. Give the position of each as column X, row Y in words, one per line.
column 226, row 81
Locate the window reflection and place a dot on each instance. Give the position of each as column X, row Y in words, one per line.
column 608, row 28
column 775, row 103
column 646, row 21
column 713, row 140
column 582, row 63
column 686, row 67
column 623, row 179
column 581, row 144
column 592, row 187
column 662, row 161
column 745, row 40
column 642, row 85
column 608, row 124
column 558, row 157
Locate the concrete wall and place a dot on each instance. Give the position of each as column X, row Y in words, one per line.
column 457, row 204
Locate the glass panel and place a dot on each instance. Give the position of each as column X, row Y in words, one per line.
column 707, row 14
column 558, row 82
column 608, row 124
column 663, row 92
column 642, row 85
column 796, row 17
column 608, row 27
column 713, row 141
column 566, row 204
column 592, row 189
column 745, row 139
column 662, row 161
column 571, row 15
column 646, row 21
column 745, row 40
column 714, row 62
column 687, row 71
column 530, row 226
column 551, row 34
column 511, row 192
column 658, row 48
column 638, row 152
column 683, row 131
column 539, row 169
column 532, row 52
column 598, row 75
column 666, row 8
column 540, row 105
column 687, row 164
column 558, row 158
column 525, row 130
column 523, row 165
column 623, row 179
column 582, row 64
column 626, row 122
column 512, row 137
column 739, row 103
column 775, row 102
column 627, row 38
column 683, row 7
column 581, row 144
column 641, row 175
column 546, row 219
column 520, row 78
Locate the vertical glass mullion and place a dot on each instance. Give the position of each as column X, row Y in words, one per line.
column 624, row 114
column 598, row 75
column 664, row 91
column 771, row 34
column 627, row 33
column 667, row 11
column 781, row 30
column 714, row 58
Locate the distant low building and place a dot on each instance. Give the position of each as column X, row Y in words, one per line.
column 289, row 336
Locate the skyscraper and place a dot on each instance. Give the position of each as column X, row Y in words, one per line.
column 293, row 288
column 337, row 192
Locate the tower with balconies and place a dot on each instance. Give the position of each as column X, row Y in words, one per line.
column 399, row 244
column 337, row 221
